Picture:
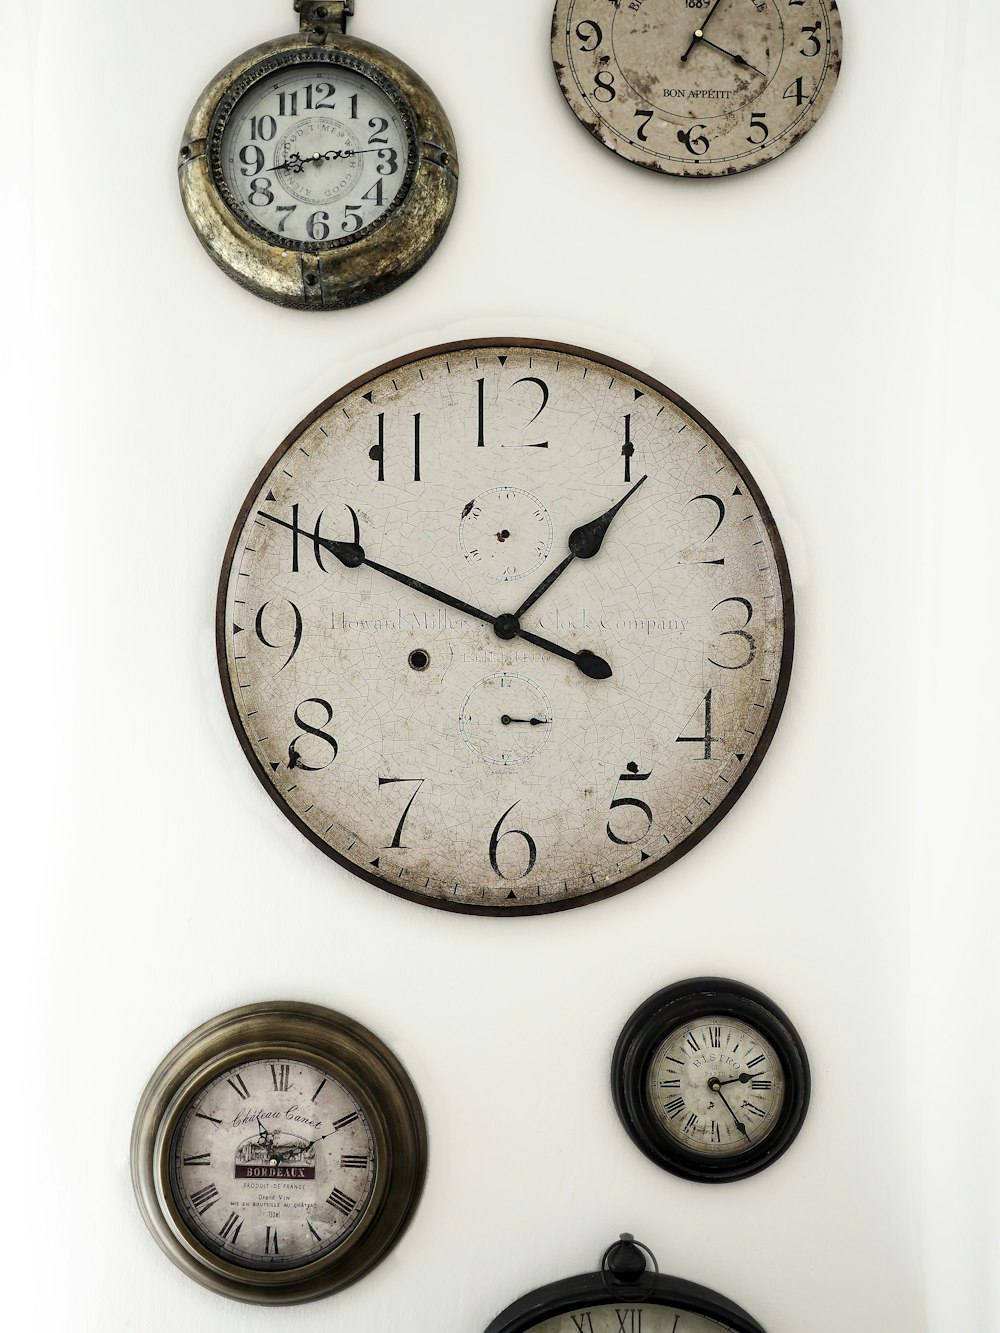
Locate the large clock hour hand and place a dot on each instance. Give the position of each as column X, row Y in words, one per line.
column 352, row 555
column 584, row 543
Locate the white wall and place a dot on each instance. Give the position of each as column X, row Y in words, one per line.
column 827, row 313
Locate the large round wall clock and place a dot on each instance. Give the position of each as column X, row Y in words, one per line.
column 697, row 87
column 278, row 1152
column 710, row 1080
column 504, row 626
column 627, row 1295
column 318, row 170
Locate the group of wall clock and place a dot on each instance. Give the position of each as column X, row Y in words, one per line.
column 504, row 627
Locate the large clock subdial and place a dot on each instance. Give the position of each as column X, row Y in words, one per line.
column 642, row 641
column 697, row 87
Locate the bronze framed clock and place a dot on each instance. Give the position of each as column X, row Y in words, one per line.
column 318, row 170
column 626, row 1295
column 278, row 1152
column 697, row 87
column 505, row 626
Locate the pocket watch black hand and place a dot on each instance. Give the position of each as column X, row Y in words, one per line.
column 715, row 1086
column 352, row 555
column 584, row 543
column 733, row 56
column 700, row 32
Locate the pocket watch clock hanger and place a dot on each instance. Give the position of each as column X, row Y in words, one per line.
column 318, row 170
column 504, row 627
column 697, row 87
column 627, row 1295
column 278, row 1152
column 710, row 1080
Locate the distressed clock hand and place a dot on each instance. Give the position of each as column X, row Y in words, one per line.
column 352, row 555
column 584, row 543
column 297, row 164
column 724, row 1082
column 700, row 32
column 508, row 721
column 715, row 1086
column 733, row 56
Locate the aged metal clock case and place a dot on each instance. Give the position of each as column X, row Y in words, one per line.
column 697, row 87
column 318, row 170
column 627, row 1295
column 278, row 1152
column 504, row 626
column 710, row 1080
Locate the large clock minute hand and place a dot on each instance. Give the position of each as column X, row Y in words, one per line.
column 352, row 556
column 584, row 543
column 700, row 32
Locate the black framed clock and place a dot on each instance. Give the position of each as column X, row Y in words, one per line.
column 710, row 1080
column 626, row 1295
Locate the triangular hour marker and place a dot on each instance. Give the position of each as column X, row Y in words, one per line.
column 644, row 856
column 503, row 362
column 375, row 862
column 638, row 394
column 510, row 895
column 737, row 491
column 741, row 757
column 269, row 496
column 237, row 629
column 368, row 395
column 275, row 767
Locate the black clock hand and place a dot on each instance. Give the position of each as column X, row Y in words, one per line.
column 584, row 543
column 508, row 721
column 715, row 1086
column 724, row 1082
column 352, row 555
column 733, row 56
column 700, row 32
column 296, row 163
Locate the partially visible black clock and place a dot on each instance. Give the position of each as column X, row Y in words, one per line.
column 627, row 1295
column 710, row 1080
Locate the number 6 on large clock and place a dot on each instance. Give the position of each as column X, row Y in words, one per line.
column 505, row 627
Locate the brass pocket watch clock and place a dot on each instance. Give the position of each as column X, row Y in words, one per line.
column 710, row 1080
column 627, row 1295
column 697, row 87
column 505, row 626
column 318, row 170
column 278, row 1152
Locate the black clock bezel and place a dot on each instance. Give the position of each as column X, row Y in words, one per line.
column 686, row 1002
column 591, row 1290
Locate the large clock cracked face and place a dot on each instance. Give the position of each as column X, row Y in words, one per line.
column 505, row 627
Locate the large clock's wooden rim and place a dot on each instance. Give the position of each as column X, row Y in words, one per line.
column 751, row 764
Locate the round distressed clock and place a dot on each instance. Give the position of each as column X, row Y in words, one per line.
column 278, row 1152
column 318, row 170
column 504, row 626
column 710, row 1080
column 627, row 1295
column 697, row 87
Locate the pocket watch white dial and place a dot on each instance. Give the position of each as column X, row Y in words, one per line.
column 697, row 87
column 278, row 1152
column 627, row 1295
column 318, row 170
column 505, row 627
column 710, row 1080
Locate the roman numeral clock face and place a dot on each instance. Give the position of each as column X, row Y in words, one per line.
column 505, row 627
